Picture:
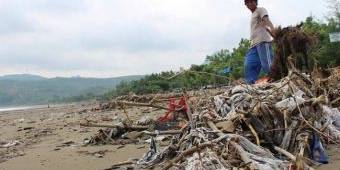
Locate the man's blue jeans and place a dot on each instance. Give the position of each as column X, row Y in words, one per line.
column 259, row 56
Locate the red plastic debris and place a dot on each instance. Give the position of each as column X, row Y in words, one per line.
column 173, row 106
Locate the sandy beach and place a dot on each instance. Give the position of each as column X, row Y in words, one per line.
column 52, row 139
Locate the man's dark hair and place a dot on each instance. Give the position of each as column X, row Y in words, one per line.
column 250, row 0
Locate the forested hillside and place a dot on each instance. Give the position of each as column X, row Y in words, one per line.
column 31, row 89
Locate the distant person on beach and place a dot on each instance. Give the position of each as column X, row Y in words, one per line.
column 260, row 54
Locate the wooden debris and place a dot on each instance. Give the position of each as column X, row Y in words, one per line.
column 132, row 128
column 257, row 127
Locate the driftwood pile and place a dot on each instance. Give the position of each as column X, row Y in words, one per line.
column 280, row 125
column 128, row 131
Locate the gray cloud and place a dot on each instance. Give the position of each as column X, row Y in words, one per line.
column 121, row 37
column 13, row 22
column 59, row 7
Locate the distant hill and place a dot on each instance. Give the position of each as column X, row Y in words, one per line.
column 25, row 89
column 22, row 77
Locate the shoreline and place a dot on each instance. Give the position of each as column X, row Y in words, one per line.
column 17, row 108
column 40, row 106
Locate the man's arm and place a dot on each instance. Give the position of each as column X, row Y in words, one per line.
column 269, row 25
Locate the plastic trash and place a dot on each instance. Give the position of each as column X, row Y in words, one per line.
column 292, row 102
column 317, row 151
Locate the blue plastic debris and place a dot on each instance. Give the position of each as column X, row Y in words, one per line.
column 225, row 70
column 317, row 151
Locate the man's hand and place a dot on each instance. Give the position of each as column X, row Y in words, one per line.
column 271, row 32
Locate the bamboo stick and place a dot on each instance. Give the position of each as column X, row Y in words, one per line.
column 138, row 128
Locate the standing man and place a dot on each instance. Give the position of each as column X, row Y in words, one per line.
column 260, row 54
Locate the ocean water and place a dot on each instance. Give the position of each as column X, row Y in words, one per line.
column 4, row 109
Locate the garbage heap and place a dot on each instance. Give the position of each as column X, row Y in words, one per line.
column 280, row 125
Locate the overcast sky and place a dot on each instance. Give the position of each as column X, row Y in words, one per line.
column 108, row 38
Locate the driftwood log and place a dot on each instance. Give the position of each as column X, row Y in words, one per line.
column 131, row 128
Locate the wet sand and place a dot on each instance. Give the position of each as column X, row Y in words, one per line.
column 41, row 131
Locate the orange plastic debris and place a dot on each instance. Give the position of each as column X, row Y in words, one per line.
column 262, row 80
